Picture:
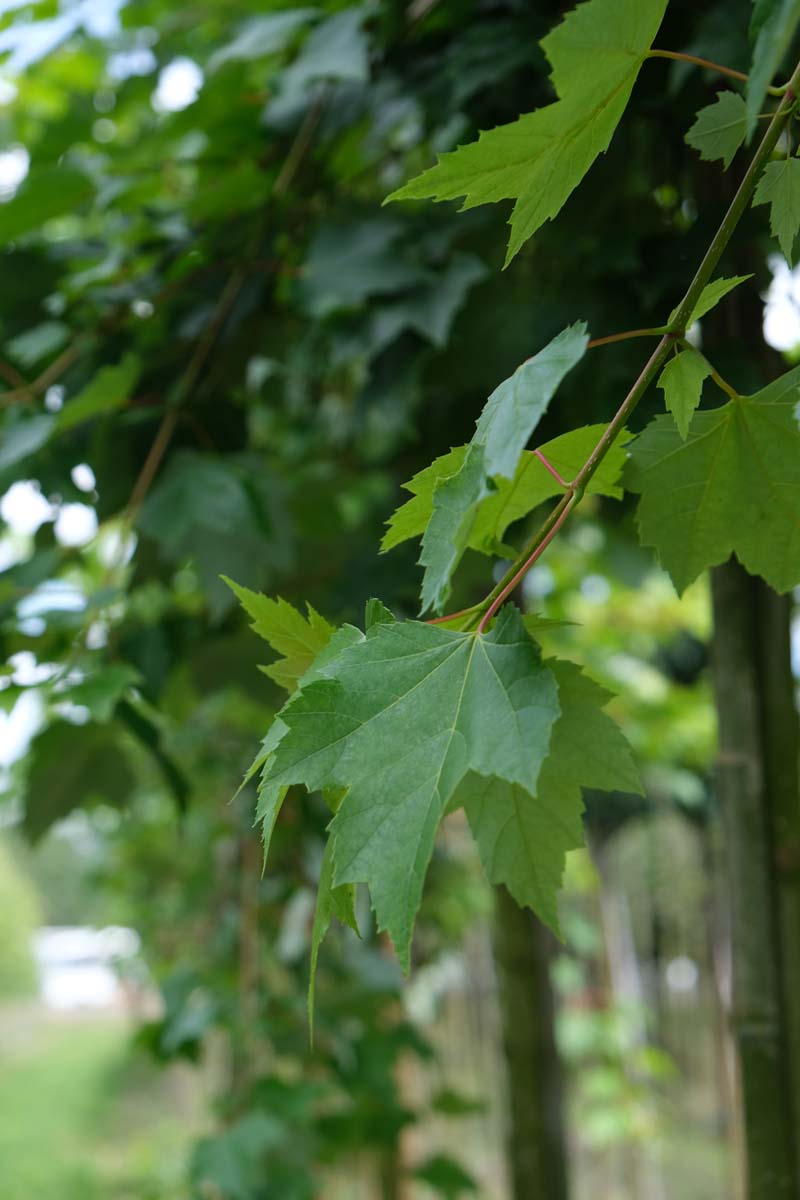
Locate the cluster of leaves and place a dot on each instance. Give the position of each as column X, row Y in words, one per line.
column 404, row 723
column 407, row 722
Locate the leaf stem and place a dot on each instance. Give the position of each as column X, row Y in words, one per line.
column 656, row 331
column 710, row 66
column 558, row 515
column 550, row 468
column 462, row 612
column 715, row 375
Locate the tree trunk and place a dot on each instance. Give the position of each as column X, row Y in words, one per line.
column 780, row 734
column 757, row 791
column 537, row 1150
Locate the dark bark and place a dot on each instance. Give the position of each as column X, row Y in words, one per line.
column 780, row 733
column 757, row 791
column 537, row 1152
column 389, row 1173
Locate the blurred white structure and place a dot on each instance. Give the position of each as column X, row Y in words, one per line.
column 782, row 311
column 78, row 966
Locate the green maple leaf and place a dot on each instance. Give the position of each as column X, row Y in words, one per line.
column 398, row 719
column 299, row 639
column 523, row 839
column 513, row 498
column 774, row 25
column 332, row 902
column 733, row 487
column 539, row 160
column 779, row 187
column 375, row 611
column 509, row 417
column 410, row 519
column 710, row 297
column 446, row 537
column 682, row 384
column 720, row 128
column 270, row 797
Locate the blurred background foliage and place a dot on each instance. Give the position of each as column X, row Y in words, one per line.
column 221, row 354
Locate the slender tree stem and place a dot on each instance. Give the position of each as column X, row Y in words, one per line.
column 709, row 66
column 11, row 375
column 571, row 501
column 558, row 515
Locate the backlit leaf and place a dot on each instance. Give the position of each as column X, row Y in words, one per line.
column 779, row 187
column 297, row 638
column 682, row 384
column 537, row 161
column 710, row 297
column 720, row 128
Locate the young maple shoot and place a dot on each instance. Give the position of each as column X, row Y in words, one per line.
column 406, row 721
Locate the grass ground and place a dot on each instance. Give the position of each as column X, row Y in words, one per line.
column 81, row 1118
column 71, row 1130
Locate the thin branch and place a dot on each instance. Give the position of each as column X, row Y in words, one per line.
column 147, row 474
column 12, row 375
column 520, row 574
column 301, row 144
column 295, row 156
column 170, row 419
column 28, row 392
